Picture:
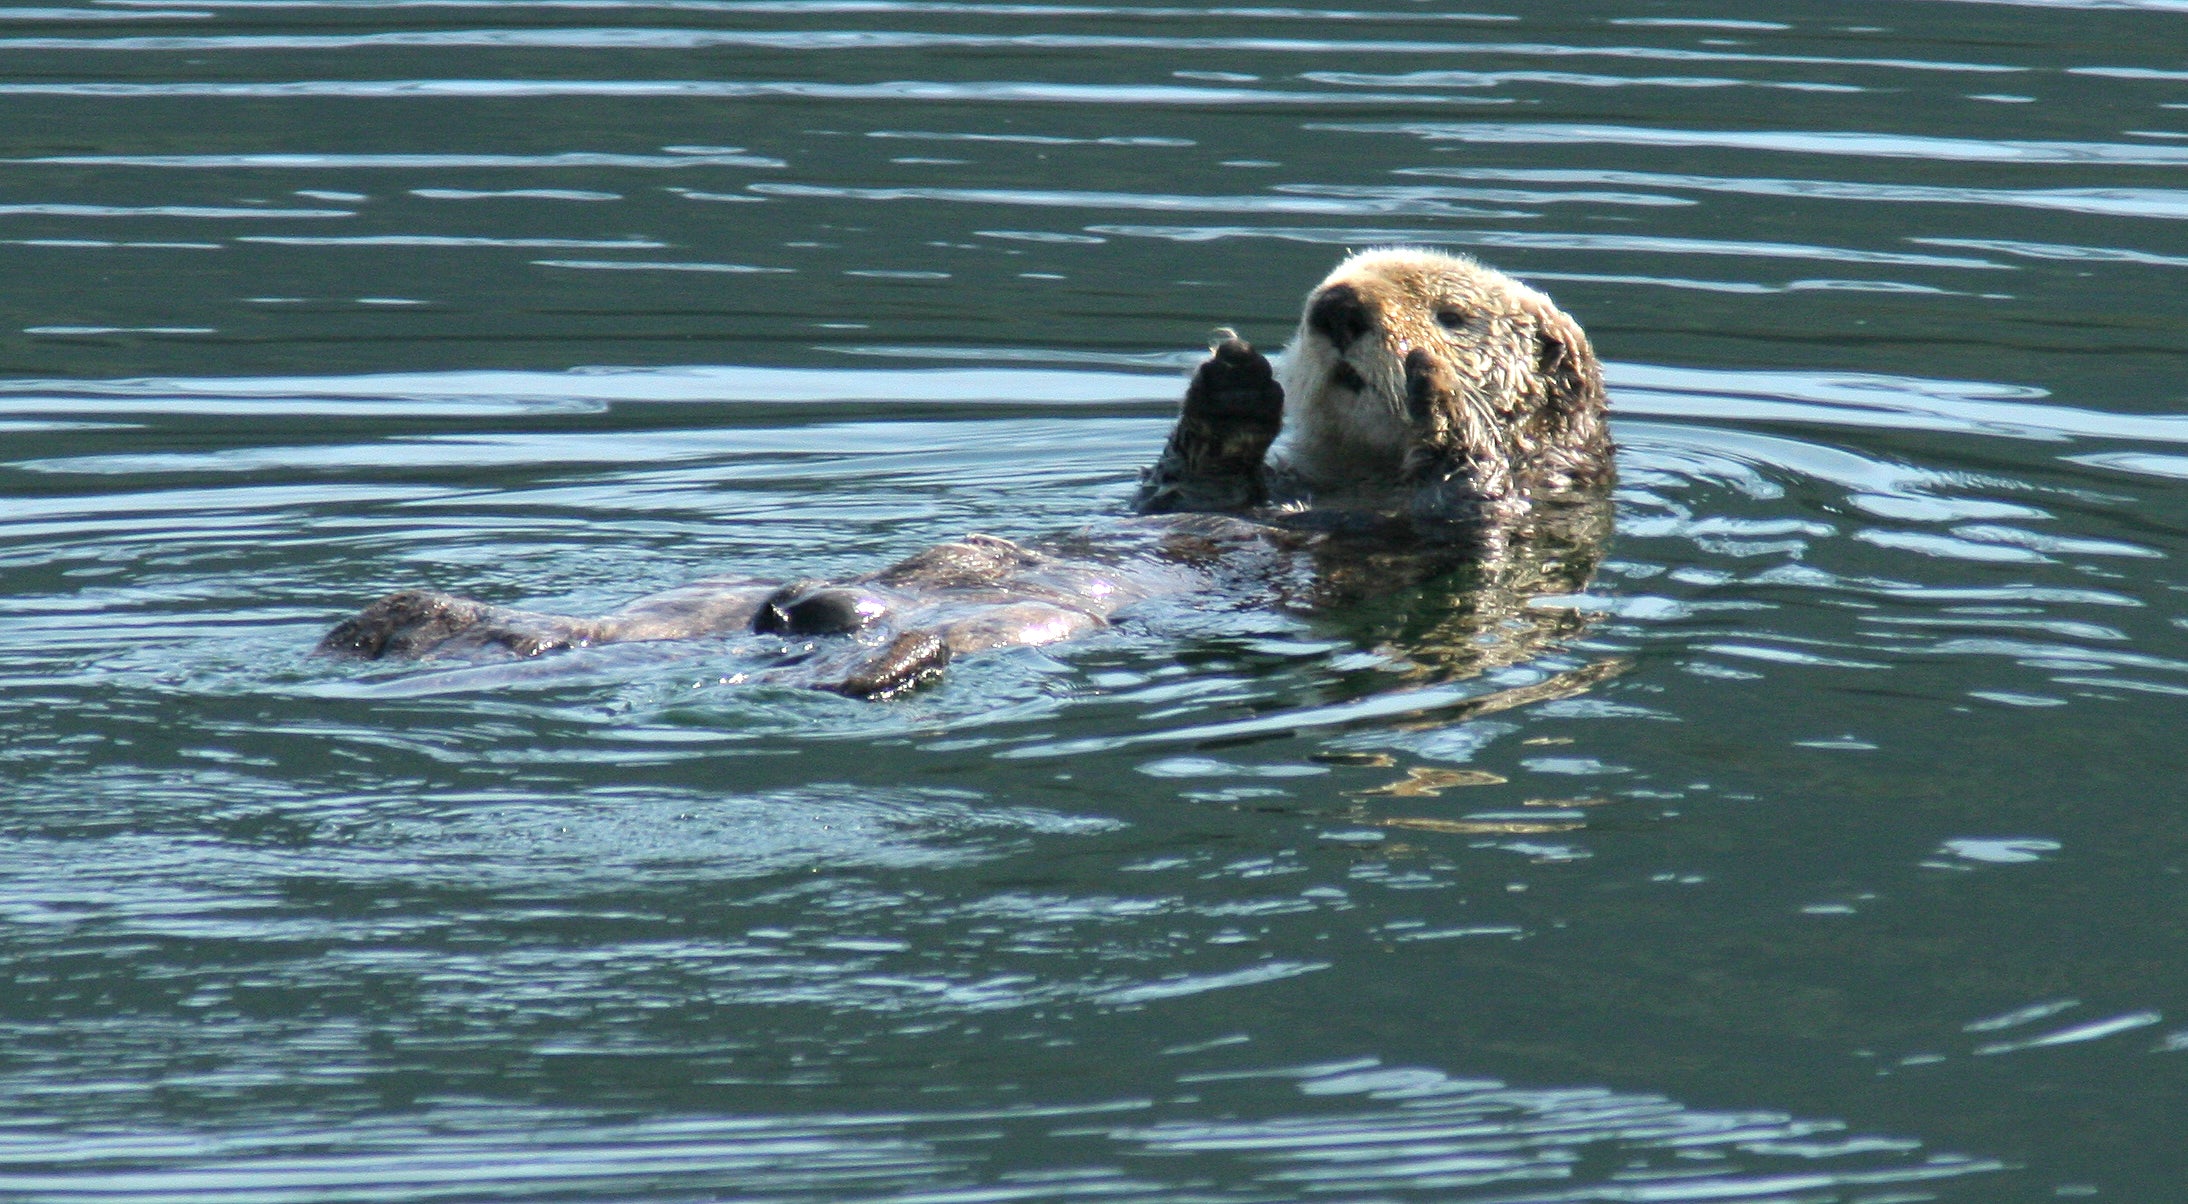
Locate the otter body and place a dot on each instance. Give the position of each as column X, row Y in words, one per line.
column 1435, row 414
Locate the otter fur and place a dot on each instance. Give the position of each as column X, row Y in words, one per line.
column 1418, row 382
column 1435, row 415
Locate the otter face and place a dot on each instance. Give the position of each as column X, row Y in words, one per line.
column 1407, row 353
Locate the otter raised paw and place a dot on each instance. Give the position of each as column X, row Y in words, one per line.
column 1216, row 454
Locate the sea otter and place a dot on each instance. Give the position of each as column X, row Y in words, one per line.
column 1437, row 415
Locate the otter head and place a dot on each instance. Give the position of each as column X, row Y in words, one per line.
column 1407, row 357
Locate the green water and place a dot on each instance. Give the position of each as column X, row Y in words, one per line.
column 1858, row 878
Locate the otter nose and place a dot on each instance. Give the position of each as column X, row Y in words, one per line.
column 1339, row 315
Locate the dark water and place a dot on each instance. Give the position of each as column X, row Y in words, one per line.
column 1859, row 877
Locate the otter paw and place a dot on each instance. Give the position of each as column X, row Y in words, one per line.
column 1235, row 390
column 1457, row 464
column 1432, row 399
column 1233, row 411
column 1436, row 415
column 909, row 660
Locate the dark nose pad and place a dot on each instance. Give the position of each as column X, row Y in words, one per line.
column 1338, row 314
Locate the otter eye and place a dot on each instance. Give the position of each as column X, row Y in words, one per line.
column 1451, row 319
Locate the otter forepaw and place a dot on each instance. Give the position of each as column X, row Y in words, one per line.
column 1235, row 391
column 1233, row 411
column 1430, row 389
column 1456, row 463
column 1435, row 416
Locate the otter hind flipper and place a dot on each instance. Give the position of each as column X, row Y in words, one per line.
column 906, row 662
column 1215, row 458
column 409, row 623
column 416, row 624
column 812, row 608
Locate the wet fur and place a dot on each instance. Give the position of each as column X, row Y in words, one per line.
column 1418, row 383
column 1440, row 420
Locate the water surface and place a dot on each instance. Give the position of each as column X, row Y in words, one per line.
column 1848, row 868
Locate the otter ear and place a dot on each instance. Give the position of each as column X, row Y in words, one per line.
column 1567, row 364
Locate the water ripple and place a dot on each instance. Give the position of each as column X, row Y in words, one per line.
column 1549, row 241
column 627, row 38
column 1007, row 92
column 2161, row 203
column 312, row 161
column 206, row 212
column 1859, row 144
column 1125, row 200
